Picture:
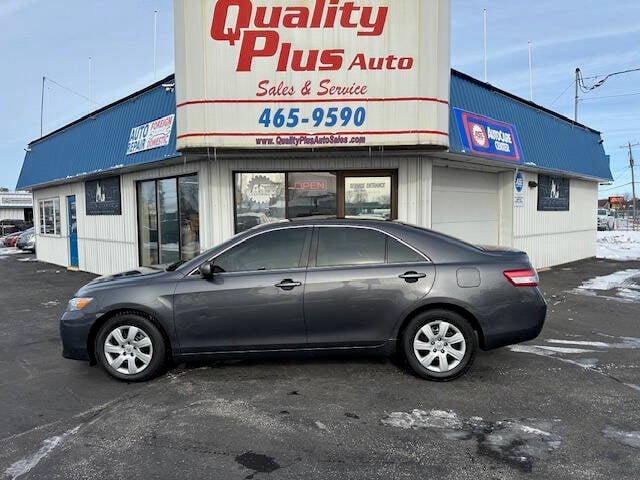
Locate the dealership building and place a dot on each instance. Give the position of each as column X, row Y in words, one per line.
column 189, row 161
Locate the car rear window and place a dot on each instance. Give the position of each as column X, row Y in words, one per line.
column 350, row 246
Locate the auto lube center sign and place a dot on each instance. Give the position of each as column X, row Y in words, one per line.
column 303, row 73
column 487, row 137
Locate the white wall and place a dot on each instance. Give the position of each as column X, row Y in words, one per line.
column 106, row 243
column 11, row 213
column 109, row 244
column 553, row 238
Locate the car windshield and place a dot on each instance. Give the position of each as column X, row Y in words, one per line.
column 602, row 212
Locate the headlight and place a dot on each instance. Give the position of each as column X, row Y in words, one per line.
column 78, row 303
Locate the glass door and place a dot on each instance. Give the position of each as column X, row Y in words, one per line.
column 368, row 195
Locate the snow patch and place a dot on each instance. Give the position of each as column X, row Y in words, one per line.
column 618, row 245
column 609, row 282
column 631, row 439
column 515, row 442
column 625, row 285
column 25, row 465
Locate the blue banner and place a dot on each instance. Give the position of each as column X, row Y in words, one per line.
column 487, row 137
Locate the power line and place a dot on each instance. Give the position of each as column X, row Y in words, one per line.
column 617, row 187
column 585, row 89
column 70, row 90
column 610, row 96
column 565, row 91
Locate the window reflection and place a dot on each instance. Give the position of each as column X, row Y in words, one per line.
column 169, row 224
column 260, row 198
column 311, row 193
column 367, row 197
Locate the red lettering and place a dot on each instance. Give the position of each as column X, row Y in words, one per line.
column 220, row 14
column 327, row 89
column 249, row 50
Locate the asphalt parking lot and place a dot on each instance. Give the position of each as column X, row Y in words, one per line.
column 563, row 406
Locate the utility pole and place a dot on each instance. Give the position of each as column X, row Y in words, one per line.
column 484, row 42
column 575, row 110
column 42, row 107
column 633, row 185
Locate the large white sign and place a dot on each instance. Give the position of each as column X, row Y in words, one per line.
column 312, row 73
column 150, row 135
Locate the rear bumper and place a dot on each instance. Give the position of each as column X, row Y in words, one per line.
column 515, row 322
column 74, row 332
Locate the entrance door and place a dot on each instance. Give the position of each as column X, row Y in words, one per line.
column 73, row 231
column 368, row 194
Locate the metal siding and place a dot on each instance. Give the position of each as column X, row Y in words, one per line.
column 106, row 244
column 12, row 213
column 547, row 140
column 553, row 238
column 466, row 204
column 98, row 142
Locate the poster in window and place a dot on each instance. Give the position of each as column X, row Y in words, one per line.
column 103, row 196
column 553, row 193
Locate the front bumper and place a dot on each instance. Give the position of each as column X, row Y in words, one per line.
column 74, row 332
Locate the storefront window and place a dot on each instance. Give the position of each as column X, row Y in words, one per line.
column 311, row 193
column 260, row 198
column 189, row 216
column 148, row 223
column 50, row 216
column 168, row 215
column 367, row 197
column 168, row 222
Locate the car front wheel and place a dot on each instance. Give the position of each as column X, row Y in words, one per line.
column 439, row 345
column 130, row 347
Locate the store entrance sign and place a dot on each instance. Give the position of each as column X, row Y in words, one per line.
column 151, row 135
column 487, row 137
column 312, row 73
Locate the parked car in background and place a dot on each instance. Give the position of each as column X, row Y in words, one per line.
column 11, row 239
column 606, row 219
column 311, row 286
column 8, row 226
column 27, row 240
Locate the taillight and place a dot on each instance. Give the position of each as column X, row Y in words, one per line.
column 522, row 278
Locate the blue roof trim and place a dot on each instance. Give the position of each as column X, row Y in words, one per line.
column 548, row 140
column 98, row 142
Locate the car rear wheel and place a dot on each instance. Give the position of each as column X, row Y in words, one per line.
column 439, row 345
column 130, row 347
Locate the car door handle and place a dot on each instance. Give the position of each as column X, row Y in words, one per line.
column 288, row 284
column 412, row 276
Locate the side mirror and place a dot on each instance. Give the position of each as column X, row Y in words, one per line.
column 206, row 270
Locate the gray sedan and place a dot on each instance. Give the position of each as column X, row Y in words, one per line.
column 311, row 287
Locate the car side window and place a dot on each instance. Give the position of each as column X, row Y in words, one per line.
column 277, row 250
column 350, row 246
column 399, row 253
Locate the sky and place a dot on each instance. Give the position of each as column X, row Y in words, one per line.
column 56, row 40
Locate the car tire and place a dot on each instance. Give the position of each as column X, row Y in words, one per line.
column 434, row 357
column 130, row 348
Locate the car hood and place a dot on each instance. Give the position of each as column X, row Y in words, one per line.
column 128, row 276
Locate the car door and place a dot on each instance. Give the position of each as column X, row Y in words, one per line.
column 254, row 301
column 359, row 283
